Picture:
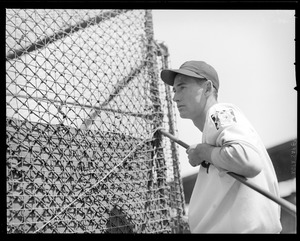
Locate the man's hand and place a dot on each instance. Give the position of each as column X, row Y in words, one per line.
column 198, row 153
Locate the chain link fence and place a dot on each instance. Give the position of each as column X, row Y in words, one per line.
column 83, row 103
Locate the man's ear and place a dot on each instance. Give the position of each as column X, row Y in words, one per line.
column 209, row 87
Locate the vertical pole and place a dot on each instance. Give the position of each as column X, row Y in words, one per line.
column 152, row 71
column 158, row 160
column 175, row 156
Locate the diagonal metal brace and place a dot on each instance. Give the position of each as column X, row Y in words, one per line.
column 61, row 34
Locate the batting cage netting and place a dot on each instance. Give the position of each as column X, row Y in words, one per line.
column 83, row 103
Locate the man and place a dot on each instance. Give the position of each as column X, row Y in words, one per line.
column 219, row 203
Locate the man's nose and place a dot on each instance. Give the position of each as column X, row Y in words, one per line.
column 175, row 97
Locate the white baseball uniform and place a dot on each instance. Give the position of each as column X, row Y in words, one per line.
column 221, row 204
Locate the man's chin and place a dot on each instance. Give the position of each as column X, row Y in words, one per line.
column 183, row 115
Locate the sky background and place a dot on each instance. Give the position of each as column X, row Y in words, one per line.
column 253, row 52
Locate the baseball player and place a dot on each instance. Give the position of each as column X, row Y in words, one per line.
column 220, row 203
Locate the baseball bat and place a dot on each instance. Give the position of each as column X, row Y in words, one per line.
column 289, row 207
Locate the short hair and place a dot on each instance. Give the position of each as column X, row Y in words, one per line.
column 215, row 90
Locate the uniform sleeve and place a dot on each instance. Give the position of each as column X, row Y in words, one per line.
column 236, row 150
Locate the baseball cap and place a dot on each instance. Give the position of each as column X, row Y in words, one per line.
column 197, row 69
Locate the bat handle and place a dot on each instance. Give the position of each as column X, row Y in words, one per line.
column 173, row 138
column 183, row 144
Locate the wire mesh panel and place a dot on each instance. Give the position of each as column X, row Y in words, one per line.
column 84, row 102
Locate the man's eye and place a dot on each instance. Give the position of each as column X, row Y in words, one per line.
column 179, row 88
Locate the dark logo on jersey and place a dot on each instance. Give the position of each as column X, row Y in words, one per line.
column 223, row 118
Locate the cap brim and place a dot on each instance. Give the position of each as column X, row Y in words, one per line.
column 168, row 75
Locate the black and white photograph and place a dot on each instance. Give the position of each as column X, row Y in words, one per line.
column 150, row 121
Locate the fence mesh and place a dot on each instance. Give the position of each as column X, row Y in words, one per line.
column 83, row 101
